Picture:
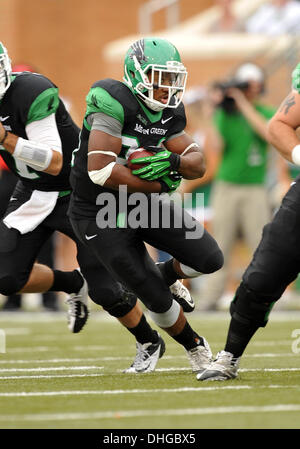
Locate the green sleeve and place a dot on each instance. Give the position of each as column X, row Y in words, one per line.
column 44, row 105
column 99, row 100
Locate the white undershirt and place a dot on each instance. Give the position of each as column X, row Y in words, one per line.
column 45, row 131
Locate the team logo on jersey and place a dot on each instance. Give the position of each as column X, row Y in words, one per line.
column 141, row 130
column 142, row 119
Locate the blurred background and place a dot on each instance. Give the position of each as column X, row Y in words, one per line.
column 75, row 43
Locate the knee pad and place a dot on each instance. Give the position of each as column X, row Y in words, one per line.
column 188, row 271
column 250, row 307
column 9, row 285
column 118, row 306
column 213, row 262
column 168, row 318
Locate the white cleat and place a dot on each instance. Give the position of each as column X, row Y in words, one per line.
column 181, row 294
column 78, row 309
column 224, row 367
column 200, row 357
column 147, row 356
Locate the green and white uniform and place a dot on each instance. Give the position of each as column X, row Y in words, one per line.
column 112, row 108
column 32, row 97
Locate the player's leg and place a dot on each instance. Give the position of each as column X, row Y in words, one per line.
column 194, row 250
column 274, row 266
column 124, row 255
column 119, row 302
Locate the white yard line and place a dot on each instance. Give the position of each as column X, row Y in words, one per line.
column 277, row 408
column 46, row 376
column 11, row 331
column 142, row 391
column 119, row 358
column 119, row 392
column 56, row 368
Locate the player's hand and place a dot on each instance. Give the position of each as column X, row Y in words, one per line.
column 170, row 182
column 157, row 166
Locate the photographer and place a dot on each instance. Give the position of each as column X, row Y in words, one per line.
column 239, row 197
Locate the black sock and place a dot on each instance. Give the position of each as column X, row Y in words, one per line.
column 66, row 281
column 143, row 332
column 239, row 335
column 188, row 338
column 168, row 273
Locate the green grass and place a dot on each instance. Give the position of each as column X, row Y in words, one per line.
column 38, row 387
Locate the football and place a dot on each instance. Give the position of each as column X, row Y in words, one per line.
column 140, row 152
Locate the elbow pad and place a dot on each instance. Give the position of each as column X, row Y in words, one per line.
column 36, row 155
column 100, row 176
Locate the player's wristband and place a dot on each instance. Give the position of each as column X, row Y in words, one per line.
column 296, row 155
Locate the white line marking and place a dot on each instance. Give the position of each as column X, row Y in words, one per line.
column 113, row 392
column 241, row 370
column 119, row 358
column 140, row 391
column 45, row 376
column 85, row 360
column 56, row 368
column 167, row 412
column 16, row 330
column 32, row 349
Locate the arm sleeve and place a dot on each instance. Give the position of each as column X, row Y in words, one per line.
column 45, row 131
column 105, row 123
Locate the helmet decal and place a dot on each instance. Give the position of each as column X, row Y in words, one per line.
column 153, row 66
column 138, row 51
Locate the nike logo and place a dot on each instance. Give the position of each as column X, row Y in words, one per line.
column 166, row 120
column 2, row 119
column 13, row 199
column 89, row 237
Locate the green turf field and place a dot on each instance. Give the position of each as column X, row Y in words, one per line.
column 52, row 379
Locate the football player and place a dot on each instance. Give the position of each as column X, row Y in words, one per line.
column 275, row 263
column 37, row 137
column 145, row 110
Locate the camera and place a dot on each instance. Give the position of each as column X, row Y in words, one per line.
column 228, row 103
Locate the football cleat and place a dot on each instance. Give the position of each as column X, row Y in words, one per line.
column 78, row 309
column 147, row 356
column 200, row 357
column 224, row 367
column 181, row 294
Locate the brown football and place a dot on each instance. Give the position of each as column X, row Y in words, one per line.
column 140, row 152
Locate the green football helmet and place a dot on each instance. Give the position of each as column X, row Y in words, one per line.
column 5, row 70
column 153, row 63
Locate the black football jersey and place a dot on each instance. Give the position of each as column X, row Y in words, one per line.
column 32, row 97
column 140, row 128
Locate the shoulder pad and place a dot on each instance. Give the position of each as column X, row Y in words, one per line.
column 120, row 92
